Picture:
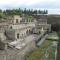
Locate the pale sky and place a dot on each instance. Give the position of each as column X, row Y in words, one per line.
column 53, row 6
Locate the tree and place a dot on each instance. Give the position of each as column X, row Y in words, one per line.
column 20, row 12
column 25, row 11
column 46, row 12
column 55, row 27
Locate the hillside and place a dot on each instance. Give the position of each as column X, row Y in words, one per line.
column 53, row 19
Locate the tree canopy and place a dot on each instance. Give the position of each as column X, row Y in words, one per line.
column 21, row 11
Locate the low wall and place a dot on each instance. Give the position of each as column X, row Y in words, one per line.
column 18, row 54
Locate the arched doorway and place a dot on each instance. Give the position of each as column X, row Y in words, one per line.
column 17, row 35
column 27, row 32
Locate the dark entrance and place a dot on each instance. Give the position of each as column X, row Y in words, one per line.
column 18, row 35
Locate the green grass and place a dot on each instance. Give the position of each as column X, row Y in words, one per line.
column 53, row 36
column 39, row 52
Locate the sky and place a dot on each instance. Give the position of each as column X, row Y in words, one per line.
column 53, row 6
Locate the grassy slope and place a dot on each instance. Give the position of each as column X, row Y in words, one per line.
column 53, row 19
column 38, row 54
column 41, row 51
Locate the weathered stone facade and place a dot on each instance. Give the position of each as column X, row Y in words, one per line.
column 16, row 37
column 41, row 23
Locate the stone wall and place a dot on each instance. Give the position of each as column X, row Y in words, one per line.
column 16, row 19
column 2, row 46
column 13, row 54
column 10, row 34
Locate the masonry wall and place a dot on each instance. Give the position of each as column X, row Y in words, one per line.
column 30, row 47
column 2, row 36
column 16, row 19
column 2, row 46
column 10, row 34
column 14, row 54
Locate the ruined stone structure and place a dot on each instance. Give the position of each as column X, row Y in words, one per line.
column 41, row 23
column 16, row 37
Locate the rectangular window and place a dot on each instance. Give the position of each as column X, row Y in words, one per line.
column 16, row 20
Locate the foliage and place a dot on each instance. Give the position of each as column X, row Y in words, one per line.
column 55, row 22
column 19, row 11
column 55, row 27
column 53, row 19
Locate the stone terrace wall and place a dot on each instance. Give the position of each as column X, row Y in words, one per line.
column 13, row 54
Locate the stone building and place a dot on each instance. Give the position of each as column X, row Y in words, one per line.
column 41, row 23
column 15, row 30
column 16, row 35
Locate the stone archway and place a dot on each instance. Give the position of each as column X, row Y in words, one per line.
column 10, row 27
column 29, row 31
column 17, row 35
